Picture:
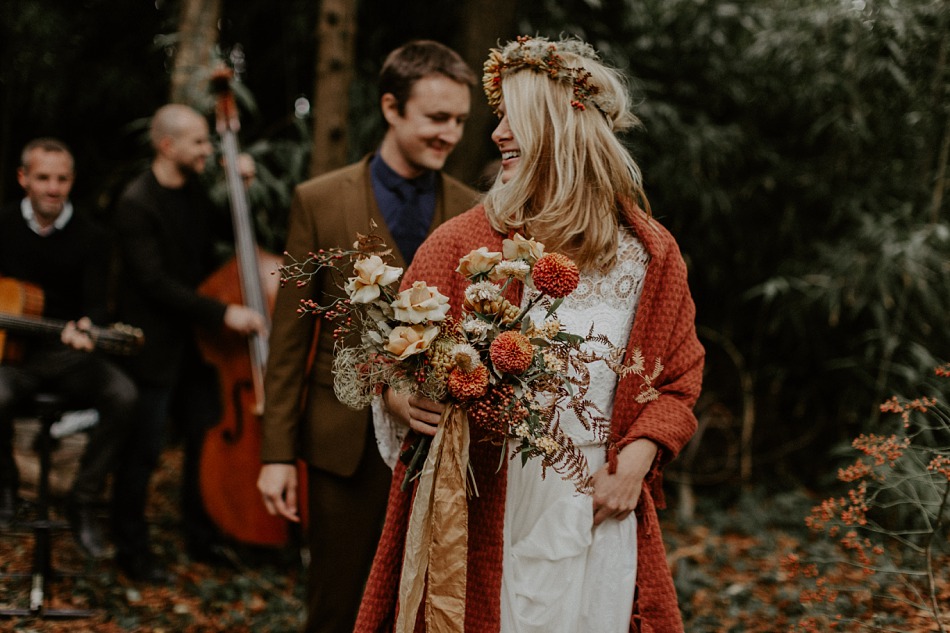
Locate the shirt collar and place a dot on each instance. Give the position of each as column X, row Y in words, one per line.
column 391, row 180
column 27, row 210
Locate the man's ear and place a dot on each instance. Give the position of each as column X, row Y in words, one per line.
column 164, row 145
column 390, row 107
column 21, row 176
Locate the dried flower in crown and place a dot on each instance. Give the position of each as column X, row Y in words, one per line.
column 543, row 56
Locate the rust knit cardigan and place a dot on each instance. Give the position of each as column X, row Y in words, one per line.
column 663, row 328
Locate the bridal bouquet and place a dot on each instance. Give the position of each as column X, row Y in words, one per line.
column 513, row 370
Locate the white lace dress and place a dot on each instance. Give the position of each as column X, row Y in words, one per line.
column 561, row 574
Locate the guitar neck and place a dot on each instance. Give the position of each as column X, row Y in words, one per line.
column 28, row 324
column 116, row 339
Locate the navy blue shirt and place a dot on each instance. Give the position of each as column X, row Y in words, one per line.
column 408, row 206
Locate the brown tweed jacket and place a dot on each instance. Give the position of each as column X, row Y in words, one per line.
column 664, row 327
column 302, row 417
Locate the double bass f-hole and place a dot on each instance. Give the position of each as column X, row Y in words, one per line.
column 234, row 435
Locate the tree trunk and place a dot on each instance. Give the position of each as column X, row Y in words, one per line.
column 336, row 37
column 939, row 92
column 487, row 22
column 198, row 33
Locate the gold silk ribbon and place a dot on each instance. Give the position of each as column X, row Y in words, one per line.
column 438, row 531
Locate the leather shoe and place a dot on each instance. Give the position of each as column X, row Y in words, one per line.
column 7, row 506
column 87, row 531
column 143, row 568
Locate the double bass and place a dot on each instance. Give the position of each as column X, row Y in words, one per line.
column 230, row 456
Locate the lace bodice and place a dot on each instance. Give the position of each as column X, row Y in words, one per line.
column 609, row 302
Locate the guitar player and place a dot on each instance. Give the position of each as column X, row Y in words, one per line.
column 62, row 260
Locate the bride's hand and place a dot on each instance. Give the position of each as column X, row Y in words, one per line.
column 616, row 496
column 420, row 414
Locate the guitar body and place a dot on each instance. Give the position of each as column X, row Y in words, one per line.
column 17, row 298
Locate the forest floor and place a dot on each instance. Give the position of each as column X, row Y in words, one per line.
column 725, row 559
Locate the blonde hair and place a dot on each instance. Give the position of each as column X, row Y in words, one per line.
column 573, row 168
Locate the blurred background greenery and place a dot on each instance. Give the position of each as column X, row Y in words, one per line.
column 797, row 149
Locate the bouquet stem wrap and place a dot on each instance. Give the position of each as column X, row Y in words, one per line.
column 438, row 530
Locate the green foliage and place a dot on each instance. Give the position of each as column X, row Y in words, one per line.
column 792, row 148
column 80, row 73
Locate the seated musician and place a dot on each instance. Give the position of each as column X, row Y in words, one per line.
column 60, row 257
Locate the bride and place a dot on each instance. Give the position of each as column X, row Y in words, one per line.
column 541, row 557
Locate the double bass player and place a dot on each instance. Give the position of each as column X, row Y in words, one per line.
column 165, row 237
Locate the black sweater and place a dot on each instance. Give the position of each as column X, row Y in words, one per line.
column 71, row 266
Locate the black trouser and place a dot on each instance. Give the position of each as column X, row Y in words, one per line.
column 346, row 518
column 87, row 380
column 193, row 403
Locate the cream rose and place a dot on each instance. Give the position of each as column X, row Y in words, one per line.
column 478, row 262
column 420, row 303
column 404, row 341
column 371, row 273
column 521, row 248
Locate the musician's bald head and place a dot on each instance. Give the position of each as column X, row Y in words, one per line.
column 179, row 135
column 171, row 121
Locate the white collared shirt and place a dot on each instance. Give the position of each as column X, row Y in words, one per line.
column 27, row 209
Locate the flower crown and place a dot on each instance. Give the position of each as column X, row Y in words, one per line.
column 541, row 55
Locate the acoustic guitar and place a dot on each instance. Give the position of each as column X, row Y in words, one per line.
column 21, row 303
column 115, row 339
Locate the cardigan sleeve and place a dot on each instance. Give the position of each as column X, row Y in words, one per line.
column 669, row 335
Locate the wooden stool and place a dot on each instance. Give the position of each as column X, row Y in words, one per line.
column 48, row 408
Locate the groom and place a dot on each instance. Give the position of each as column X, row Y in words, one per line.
column 425, row 93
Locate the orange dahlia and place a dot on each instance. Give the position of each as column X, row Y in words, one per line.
column 468, row 385
column 555, row 275
column 511, row 352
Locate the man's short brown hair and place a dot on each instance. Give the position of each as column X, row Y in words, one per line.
column 418, row 59
column 46, row 144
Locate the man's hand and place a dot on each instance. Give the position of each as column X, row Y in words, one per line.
column 75, row 335
column 420, row 414
column 244, row 320
column 278, row 486
column 617, row 495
